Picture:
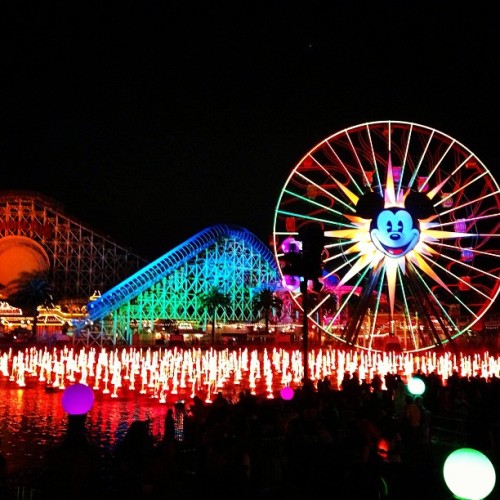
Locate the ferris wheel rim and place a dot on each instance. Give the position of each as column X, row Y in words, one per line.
column 278, row 234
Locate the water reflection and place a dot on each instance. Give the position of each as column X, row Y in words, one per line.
column 32, row 420
column 129, row 385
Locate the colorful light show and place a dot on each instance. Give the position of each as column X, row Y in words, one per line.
column 225, row 256
column 168, row 374
column 410, row 218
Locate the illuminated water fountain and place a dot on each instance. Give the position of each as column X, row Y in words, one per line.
column 165, row 373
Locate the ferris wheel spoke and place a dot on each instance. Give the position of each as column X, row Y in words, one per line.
column 470, row 220
column 410, row 316
column 307, row 217
column 315, row 204
column 344, row 166
column 318, row 306
column 433, row 286
column 463, row 187
column 404, row 162
column 438, row 302
column 474, row 251
column 431, row 311
column 436, row 166
column 469, row 203
column 419, row 162
column 339, row 245
column 373, row 158
column 343, row 247
column 481, row 272
column 323, row 191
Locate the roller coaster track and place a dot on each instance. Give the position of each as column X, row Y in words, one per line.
column 168, row 263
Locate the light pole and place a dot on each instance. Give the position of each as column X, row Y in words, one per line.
column 305, row 327
column 305, row 261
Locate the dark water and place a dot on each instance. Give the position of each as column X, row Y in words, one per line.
column 32, row 420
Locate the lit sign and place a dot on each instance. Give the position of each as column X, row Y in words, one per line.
column 7, row 310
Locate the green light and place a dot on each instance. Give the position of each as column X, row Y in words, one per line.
column 469, row 474
column 416, row 386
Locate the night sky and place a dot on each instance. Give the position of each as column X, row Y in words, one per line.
column 151, row 121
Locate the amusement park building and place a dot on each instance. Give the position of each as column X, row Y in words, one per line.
column 36, row 234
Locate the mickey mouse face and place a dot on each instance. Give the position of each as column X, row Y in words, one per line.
column 394, row 232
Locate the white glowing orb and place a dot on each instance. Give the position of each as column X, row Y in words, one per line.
column 416, row 386
column 469, row 474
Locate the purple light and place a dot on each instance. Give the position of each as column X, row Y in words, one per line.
column 77, row 399
column 290, row 244
column 291, row 282
column 459, row 226
column 287, row 393
column 467, row 255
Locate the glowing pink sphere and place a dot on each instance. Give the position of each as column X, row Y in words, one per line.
column 291, row 282
column 286, row 393
column 290, row 244
column 77, row 399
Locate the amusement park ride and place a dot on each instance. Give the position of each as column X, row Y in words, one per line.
column 384, row 238
column 411, row 218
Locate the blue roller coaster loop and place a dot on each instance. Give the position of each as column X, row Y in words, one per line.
column 172, row 260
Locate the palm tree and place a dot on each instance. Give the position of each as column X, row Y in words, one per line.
column 266, row 301
column 213, row 300
column 30, row 290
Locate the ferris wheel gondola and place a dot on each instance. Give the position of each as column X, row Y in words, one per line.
column 411, row 220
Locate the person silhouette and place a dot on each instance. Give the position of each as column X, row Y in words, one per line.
column 133, row 459
column 74, row 467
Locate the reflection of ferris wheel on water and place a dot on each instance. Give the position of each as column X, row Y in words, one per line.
column 411, row 219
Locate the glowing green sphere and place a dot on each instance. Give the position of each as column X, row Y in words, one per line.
column 469, row 474
column 416, row 386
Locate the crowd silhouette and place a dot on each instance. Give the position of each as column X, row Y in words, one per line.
column 362, row 441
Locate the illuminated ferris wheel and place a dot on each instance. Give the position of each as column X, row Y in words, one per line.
column 411, row 220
